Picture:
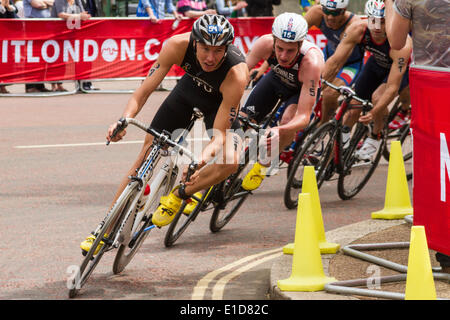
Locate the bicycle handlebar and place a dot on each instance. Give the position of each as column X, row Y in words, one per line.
column 349, row 93
column 163, row 138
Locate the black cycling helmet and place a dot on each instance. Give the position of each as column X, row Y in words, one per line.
column 213, row 30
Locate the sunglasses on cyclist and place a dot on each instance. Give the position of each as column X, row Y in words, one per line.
column 333, row 13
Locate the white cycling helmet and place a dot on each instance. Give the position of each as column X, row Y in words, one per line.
column 290, row 27
column 334, row 4
column 375, row 8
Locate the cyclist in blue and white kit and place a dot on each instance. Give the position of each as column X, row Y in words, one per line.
column 383, row 76
column 332, row 18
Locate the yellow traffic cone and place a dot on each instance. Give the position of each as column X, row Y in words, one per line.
column 310, row 186
column 307, row 270
column 419, row 277
column 397, row 204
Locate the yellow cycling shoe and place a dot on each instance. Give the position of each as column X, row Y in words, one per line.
column 167, row 209
column 192, row 204
column 254, row 177
column 87, row 244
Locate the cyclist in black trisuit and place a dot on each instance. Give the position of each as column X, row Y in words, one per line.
column 296, row 65
column 215, row 80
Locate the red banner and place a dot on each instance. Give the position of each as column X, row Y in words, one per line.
column 431, row 131
column 53, row 49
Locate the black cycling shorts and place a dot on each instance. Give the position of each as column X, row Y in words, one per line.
column 176, row 110
column 265, row 94
column 372, row 76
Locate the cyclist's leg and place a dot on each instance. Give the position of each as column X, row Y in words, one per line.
column 263, row 97
column 163, row 119
column 226, row 160
column 260, row 103
column 291, row 109
column 207, row 176
column 380, row 120
column 366, row 83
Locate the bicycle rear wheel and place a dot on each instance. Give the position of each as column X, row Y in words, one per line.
column 356, row 173
column 90, row 260
column 315, row 152
column 401, row 134
column 127, row 251
column 221, row 216
column 181, row 221
column 230, row 196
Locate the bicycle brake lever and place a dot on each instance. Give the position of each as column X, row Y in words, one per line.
column 121, row 124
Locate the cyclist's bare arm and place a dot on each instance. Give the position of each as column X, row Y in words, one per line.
column 309, row 74
column 232, row 89
column 350, row 39
column 400, row 60
column 171, row 53
column 261, row 50
column 314, row 16
column 397, row 27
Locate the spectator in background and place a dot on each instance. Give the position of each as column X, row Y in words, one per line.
column 156, row 9
column 261, row 8
column 234, row 8
column 7, row 11
column 19, row 5
column 193, row 8
column 428, row 21
column 94, row 8
column 306, row 5
column 69, row 9
column 37, row 9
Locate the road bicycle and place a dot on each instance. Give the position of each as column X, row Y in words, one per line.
column 227, row 197
column 130, row 218
column 324, row 150
column 291, row 152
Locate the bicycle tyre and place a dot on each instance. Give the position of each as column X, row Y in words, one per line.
column 346, row 189
column 396, row 134
column 304, row 158
column 310, row 129
column 219, row 221
column 123, row 256
column 90, row 260
column 402, row 135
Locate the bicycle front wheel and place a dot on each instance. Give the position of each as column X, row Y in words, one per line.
column 356, row 173
column 127, row 251
column 91, row 259
column 315, row 152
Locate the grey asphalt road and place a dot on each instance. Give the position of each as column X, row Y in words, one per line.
column 58, row 178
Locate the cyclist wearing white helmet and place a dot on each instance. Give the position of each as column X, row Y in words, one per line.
column 383, row 76
column 216, row 77
column 332, row 18
column 296, row 65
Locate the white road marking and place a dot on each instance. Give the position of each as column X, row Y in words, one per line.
column 217, row 293
column 75, row 144
column 202, row 285
column 87, row 144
